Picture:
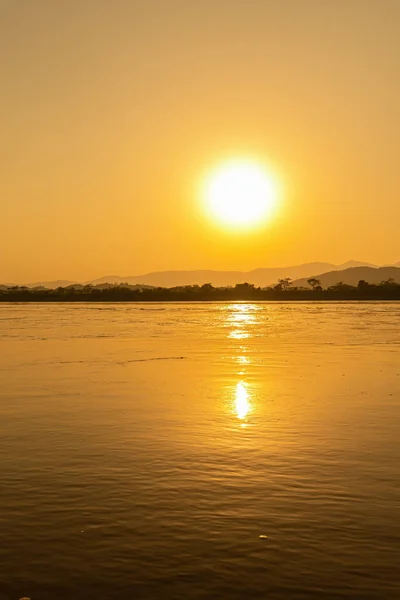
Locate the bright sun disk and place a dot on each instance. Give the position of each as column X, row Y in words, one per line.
column 240, row 193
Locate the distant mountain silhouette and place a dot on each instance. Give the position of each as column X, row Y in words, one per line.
column 353, row 275
column 44, row 284
column 260, row 277
column 52, row 284
column 354, row 263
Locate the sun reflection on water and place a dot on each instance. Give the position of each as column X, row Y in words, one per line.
column 242, row 404
column 238, row 334
column 240, row 319
column 243, row 360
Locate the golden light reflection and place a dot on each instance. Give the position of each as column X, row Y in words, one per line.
column 242, row 404
column 239, row 334
column 243, row 360
column 242, row 313
column 240, row 318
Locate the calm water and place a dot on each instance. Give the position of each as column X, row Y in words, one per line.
column 146, row 448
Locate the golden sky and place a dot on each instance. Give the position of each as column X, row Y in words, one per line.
column 112, row 111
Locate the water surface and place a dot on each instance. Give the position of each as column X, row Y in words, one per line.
column 146, row 448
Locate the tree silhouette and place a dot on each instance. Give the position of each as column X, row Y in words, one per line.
column 388, row 282
column 362, row 284
column 283, row 284
column 283, row 290
column 314, row 284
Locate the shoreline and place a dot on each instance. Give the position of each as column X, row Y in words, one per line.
column 387, row 291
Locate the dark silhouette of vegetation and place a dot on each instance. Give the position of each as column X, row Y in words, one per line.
column 283, row 291
column 314, row 284
column 283, row 284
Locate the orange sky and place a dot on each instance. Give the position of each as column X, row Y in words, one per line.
column 111, row 111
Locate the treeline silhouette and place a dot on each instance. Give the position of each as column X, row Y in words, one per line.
column 283, row 290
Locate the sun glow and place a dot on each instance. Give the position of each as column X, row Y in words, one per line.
column 240, row 193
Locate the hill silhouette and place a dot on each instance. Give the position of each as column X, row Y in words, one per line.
column 353, row 275
column 261, row 277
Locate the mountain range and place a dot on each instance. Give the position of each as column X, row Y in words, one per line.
column 354, row 275
column 350, row 272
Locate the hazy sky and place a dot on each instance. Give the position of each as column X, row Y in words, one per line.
column 112, row 111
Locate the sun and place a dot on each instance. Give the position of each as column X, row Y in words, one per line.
column 240, row 193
